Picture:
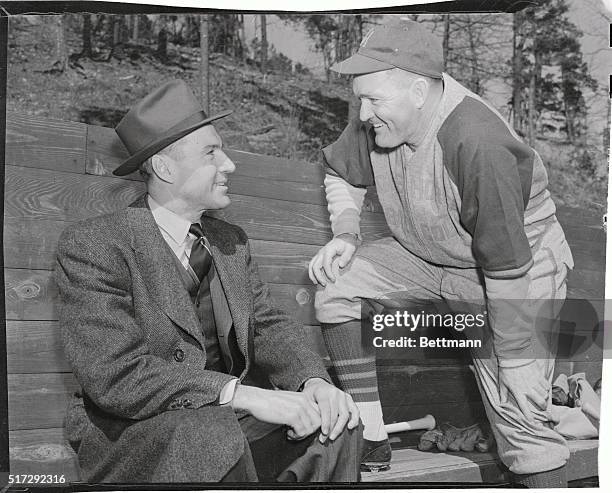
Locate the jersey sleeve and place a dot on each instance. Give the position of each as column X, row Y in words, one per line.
column 493, row 172
column 349, row 156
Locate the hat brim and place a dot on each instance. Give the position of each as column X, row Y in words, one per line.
column 134, row 161
column 359, row 64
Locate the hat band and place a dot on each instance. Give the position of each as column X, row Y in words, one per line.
column 191, row 120
column 378, row 55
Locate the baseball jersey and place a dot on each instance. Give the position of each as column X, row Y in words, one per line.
column 471, row 194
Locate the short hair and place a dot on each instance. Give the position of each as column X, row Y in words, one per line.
column 399, row 74
column 173, row 151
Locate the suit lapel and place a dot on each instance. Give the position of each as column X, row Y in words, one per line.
column 159, row 270
column 231, row 274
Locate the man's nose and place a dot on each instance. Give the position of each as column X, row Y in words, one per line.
column 365, row 111
column 227, row 166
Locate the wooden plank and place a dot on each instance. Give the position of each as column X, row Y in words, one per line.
column 268, row 219
column 411, row 465
column 588, row 281
column 31, row 243
column 283, row 263
column 569, row 216
column 34, row 347
column 57, row 196
column 30, row 295
column 583, row 462
column 39, row 400
column 416, row 384
column 105, row 152
column 42, row 451
column 44, row 143
column 47, row 195
column 296, row 300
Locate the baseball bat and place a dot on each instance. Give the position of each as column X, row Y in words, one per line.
column 425, row 423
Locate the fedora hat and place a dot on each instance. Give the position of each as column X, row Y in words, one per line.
column 164, row 116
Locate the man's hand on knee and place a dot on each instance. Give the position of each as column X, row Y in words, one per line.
column 336, row 408
column 293, row 409
column 332, row 257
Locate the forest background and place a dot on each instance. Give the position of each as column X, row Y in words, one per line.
column 532, row 65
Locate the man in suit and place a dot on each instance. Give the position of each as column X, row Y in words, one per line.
column 188, row 372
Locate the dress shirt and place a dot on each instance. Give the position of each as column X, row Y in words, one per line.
column 175, row 231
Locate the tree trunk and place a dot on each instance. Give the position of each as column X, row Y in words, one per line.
column 569, row 116
column 264, row 43
column 242, row 38
column 517, row 69
column 204, row 69
column 135, row 28
column 162, row 40
column 446, row 40
column 116, row 30
column 474, row 78
column 86, row 51
column 531, row 127
column 61, row 51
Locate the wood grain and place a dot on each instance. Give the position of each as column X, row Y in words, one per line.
column 411, row 465
column 30, row 295
column 39, row 400
column 47, row 195
column 43, row 143
column 34, row 347
column 42, row 451
column 31, row 243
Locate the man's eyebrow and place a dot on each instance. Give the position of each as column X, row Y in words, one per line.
column 213, row 146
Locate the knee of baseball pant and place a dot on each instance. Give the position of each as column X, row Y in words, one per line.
column 333, row 305
column 525, row 449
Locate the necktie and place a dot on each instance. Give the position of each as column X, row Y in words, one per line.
column 200, row 259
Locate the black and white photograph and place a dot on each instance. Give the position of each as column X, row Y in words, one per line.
column 253, row 247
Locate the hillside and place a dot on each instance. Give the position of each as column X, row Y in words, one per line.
column 280, row 114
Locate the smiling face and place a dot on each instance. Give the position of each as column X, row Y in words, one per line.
column 200, row 169
column 390, row 105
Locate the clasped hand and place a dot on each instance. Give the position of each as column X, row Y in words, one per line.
column 319, row 405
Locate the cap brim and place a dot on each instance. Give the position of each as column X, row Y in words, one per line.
column 359, row 64
column 132, row 164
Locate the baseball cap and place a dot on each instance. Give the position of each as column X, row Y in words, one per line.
column 406, row 44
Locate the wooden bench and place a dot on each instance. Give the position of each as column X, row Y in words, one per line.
column 59, row 172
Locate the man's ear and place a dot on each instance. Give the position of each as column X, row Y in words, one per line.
column 163, row 167
column 420, row 90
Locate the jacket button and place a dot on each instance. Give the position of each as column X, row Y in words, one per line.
column 179, row 355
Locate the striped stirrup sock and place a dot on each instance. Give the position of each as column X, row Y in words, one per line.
column 355, row 366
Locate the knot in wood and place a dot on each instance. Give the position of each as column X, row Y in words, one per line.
column 302, row 296
column 28, row 290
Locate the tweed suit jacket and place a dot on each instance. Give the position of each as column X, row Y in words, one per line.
column 124, row 312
